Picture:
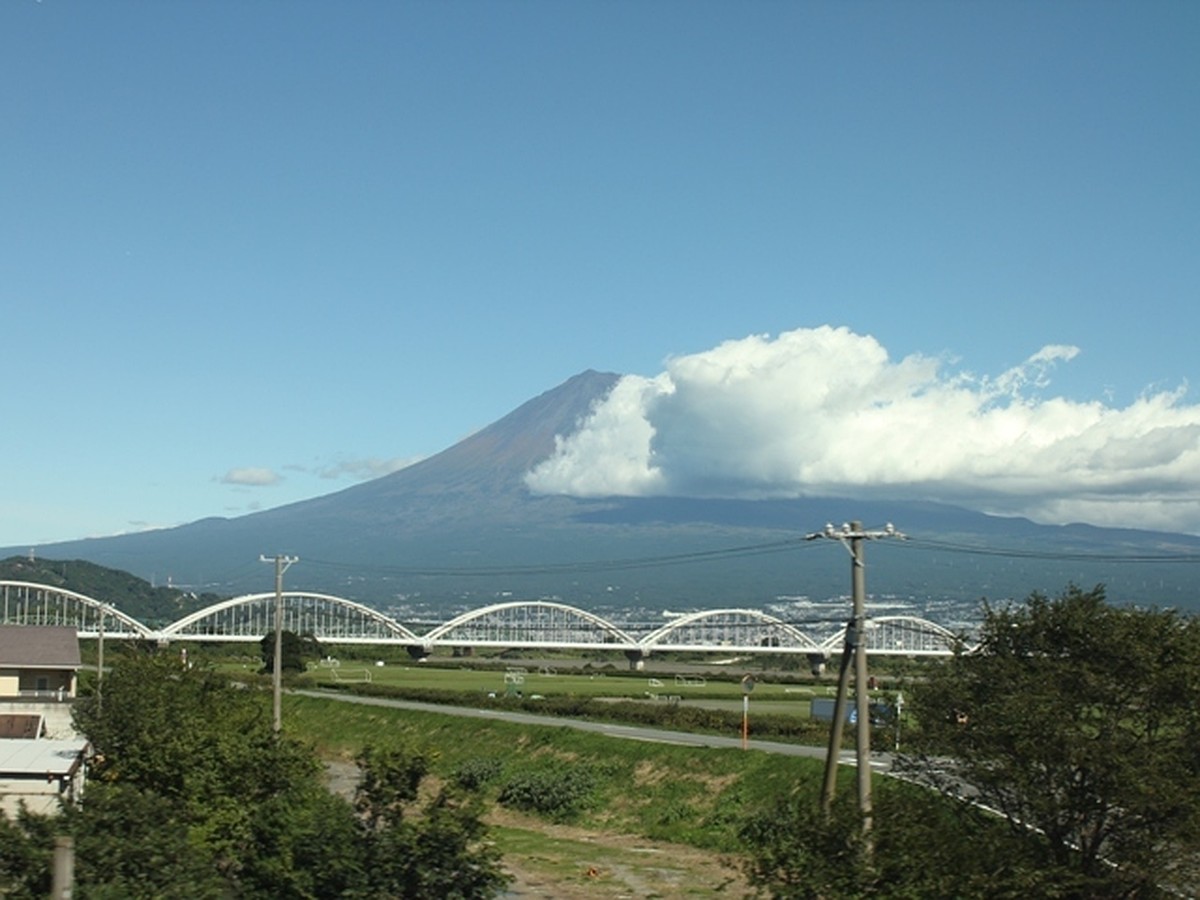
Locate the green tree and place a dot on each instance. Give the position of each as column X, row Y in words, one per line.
column 184, row 749
column 26, row 845
column 1077, row 721
column 294, row 649
column 926, row 847
column 390, row 781
column 193, row 794
column 431, row 850
column 132, row 843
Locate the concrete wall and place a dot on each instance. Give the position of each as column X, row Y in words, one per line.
column 39, row 794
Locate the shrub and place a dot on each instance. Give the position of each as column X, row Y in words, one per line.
column 475, row 773
column 560, row 792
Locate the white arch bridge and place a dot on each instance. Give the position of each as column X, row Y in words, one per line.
column 521, row 624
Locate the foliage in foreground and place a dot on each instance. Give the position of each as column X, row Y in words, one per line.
column 193, row 795
column 1064, row 757
column 923, row 848
column 1077, row 721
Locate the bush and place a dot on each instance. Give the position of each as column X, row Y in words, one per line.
column 476, row 773
column 559, row 793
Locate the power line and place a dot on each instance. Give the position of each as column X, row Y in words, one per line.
column 1062, row 555
column 630, row 563
column 582, row 566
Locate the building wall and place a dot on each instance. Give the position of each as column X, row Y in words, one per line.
column 40, row 795
column 44, row 682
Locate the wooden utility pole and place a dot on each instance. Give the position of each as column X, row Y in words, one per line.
column 853, row 650
column 282, row 564
column 62, row 875
column 862, row 694
column 100, row 660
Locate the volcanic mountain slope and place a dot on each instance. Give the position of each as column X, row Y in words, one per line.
column 489, row 466
column 461, row 528
column 466, row 503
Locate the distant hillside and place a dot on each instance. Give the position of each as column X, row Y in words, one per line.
column 150, row 605
column 460, row 529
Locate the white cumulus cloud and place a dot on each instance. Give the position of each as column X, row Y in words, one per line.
column 826, row 411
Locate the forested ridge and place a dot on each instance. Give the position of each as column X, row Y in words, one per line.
column 152, row 605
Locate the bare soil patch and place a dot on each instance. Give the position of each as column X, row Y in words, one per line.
column 563, row 862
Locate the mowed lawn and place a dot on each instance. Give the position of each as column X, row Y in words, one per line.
column 545, row 681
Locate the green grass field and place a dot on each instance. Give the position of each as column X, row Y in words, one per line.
column 534, row 681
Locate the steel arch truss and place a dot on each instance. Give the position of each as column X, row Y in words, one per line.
column 530, row 623
column 252, row 616
column 737, row 630
column 25, row 603
column 900, row 636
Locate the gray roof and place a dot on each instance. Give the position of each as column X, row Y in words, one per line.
column 19, row 757
column 39, row 647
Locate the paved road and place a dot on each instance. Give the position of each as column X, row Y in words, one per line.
column 880, row 762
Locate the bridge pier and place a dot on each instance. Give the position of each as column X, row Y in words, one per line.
column 817, row 661
column 637, row 659
column 418, row 651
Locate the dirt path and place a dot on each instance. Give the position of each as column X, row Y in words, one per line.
column 560, row 862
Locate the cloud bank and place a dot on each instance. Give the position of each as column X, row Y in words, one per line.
column 826, row 412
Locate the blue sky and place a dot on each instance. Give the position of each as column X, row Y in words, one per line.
column 256, row 251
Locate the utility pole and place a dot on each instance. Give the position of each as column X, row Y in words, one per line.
column 282, row 564
column 100, row 662
column 854, row 650
column 62, row 874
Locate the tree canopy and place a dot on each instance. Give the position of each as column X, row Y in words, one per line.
column 1077, row 721
column 192, row 794
column 295, row 651
column 1059, row 759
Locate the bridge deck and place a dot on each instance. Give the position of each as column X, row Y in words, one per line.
column 518, row 624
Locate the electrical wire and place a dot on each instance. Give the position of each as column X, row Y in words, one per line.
column 583, row 566
column 1060, row 555
column 744, row 551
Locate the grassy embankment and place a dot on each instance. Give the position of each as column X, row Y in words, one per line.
column 565, row 802
column 582, row 814
column 587, row 815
